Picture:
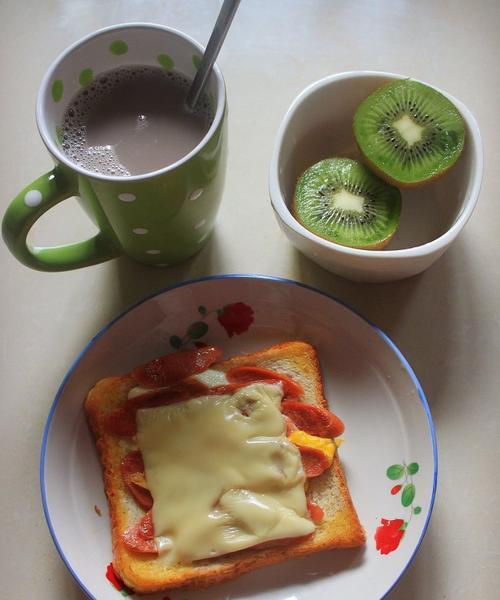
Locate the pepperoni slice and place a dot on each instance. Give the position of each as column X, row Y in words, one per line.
column 121, row 422
column 140, row 537
column 315, row 511
column 245, row 375
column 132, row 464
column 312, row 419
column 164, row 370
column 314, row 461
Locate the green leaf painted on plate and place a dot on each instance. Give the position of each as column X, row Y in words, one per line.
column 413, row 468
column 202, row 310
column 408, row 494
column 403, row 526
column 176, row 342
column 197, row 330
column 417, row 510
column 395, row 472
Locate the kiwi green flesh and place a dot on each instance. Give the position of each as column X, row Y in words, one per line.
column 440, row 125
column 342, row 201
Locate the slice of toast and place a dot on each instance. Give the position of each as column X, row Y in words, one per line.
column 145, row 573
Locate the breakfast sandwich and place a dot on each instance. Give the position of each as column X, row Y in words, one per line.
column 215, row 468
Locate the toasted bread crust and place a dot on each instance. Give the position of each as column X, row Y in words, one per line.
column 143, row 573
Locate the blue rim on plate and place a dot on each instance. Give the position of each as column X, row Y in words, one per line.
column 102, row 331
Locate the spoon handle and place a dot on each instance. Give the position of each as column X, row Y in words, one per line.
column 219, row 32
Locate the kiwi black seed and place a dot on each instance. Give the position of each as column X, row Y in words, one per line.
column 408, row 132
column 342, row 201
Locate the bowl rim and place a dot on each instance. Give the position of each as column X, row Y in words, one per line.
column 438, row 244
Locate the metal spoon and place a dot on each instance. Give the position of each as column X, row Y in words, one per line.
column 219, row 32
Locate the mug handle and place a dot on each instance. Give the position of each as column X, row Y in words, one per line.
column 28, row 206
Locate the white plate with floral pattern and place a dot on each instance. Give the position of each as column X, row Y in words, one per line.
column 389, row 455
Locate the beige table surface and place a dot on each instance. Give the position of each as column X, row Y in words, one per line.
column 446, row 321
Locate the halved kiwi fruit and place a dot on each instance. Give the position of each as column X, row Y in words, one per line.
column 342, row 201
column 408, row 132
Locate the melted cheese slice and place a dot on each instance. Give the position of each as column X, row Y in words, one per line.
column 222, row 474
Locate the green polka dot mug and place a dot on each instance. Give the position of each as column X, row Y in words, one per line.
column 159, row 218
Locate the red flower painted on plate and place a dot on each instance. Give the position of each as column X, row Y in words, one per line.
column 396, row 489
column 235, row 318
column 111, row 576
column 388, row 535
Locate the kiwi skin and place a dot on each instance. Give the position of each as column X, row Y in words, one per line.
column 378, row 245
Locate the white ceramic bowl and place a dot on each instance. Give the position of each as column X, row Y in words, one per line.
column 319, row 125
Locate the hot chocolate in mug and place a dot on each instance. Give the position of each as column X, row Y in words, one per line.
column 160, row 217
